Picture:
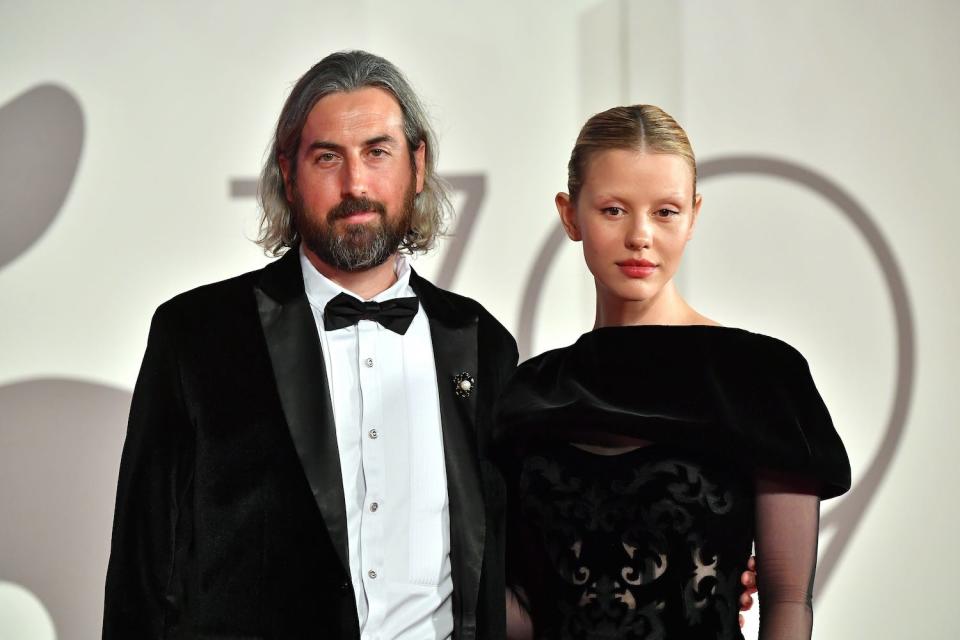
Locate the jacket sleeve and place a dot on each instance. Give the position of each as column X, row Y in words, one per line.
column 140, row 588
column 499, row 347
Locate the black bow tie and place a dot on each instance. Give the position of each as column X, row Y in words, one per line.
column 345, row 311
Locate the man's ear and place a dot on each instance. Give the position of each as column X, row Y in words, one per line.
column 697, row 201
column 568, row 216
column 285, row 171
column 420, row 164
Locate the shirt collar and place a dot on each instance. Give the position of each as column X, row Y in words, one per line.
column 321, row 290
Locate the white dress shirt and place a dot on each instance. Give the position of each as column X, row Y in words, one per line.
column 383, row 388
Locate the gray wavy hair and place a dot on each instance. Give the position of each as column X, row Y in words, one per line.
column 342, row 72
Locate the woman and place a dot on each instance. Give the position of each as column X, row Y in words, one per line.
column 649, row 455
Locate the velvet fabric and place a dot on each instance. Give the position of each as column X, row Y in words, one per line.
column 745, row 396
column 230, row 519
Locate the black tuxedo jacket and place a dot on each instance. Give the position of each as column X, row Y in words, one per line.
column 230, row 518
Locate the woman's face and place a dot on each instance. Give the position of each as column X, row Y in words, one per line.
column 635, row 213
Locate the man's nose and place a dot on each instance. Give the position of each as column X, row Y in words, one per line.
column 354, row 179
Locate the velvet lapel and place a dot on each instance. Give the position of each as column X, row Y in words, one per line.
column 301, row 378
column 453, row 331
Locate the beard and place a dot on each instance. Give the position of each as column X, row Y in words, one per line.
column 357, row 247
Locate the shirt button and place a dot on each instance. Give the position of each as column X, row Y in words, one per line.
column 373, row 434
column 372, row 574
column 368, row 362
column 374, row 506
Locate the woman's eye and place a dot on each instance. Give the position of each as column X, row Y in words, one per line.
column 666, row 213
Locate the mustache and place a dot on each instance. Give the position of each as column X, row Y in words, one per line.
column 350, row 206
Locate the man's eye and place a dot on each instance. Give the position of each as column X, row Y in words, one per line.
column 666, row 213
column 378, row 152
column 326, row 157
column 613, row 211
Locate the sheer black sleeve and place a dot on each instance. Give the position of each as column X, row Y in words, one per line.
column 787, row 525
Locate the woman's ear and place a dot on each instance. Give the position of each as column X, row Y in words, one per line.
column 697, row 201
column 568, row 216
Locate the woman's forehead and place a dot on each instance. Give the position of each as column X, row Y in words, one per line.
column 639, row 169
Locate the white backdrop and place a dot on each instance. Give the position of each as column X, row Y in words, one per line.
column 829, row 144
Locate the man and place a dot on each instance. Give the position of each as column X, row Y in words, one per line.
column 306, row 451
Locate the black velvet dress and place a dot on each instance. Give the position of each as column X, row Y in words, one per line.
column 650, row 542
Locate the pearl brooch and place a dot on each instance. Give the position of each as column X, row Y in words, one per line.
column 463, row 384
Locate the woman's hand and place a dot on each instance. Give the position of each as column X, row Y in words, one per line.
column 519, row 624
column 749, row 581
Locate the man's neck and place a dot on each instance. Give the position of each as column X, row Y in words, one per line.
column 365, row 284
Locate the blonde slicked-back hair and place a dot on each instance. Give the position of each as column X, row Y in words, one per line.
column 641, row 127
column 340, row 72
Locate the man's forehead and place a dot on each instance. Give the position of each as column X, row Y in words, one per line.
column 356, row 112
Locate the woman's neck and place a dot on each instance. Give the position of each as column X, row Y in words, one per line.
column 666, row 307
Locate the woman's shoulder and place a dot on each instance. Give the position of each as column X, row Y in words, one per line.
column 691, row 383
column 673, row 346
column 667, row 366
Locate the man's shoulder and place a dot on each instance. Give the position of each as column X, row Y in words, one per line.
column 224, row 295
column 463, row 304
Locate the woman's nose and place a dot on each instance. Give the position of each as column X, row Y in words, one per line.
column 639, row 235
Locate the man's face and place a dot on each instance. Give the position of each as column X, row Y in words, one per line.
column 352, row 195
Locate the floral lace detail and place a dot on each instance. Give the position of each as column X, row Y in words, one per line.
column 646, row 545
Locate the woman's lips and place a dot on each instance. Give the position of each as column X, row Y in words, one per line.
column 637, row 268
